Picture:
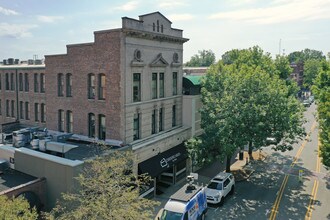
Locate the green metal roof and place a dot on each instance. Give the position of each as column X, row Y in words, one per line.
column 195, row 80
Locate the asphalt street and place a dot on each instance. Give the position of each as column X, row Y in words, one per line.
column 287, row 185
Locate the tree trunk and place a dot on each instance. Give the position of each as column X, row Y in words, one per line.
column 250, row 150
column 228, row 160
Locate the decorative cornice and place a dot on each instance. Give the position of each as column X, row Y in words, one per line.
column 154, row 36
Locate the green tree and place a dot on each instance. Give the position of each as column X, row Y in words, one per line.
column 282, row 65
column 204, row 58
column 193, row 146
column 312, row 68
column 246, row 102
column 16, row 209
column 321, row 89
column 107, row 190
column 306, row 54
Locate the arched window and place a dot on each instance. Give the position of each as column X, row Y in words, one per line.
column 7, row 81
column 153, row 26
column 20, row 81
column 101, row 86
column 91, row 125
column 7, row 107
column 12, row 108
column 102, row 128
column 43, row 112
column 12, row 82
column 36, row 111
column 21, row 113
column 26, row 82
column 27, row 111
column 36, row 83
column 68, row 85
column 60, row 84
column 91, row 86
column 42, row 82
column 61, row 120
column 69, row 122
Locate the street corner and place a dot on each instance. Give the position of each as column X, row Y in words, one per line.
column 242, row 174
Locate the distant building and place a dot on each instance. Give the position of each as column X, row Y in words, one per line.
column 297, row 73
column 196, row 71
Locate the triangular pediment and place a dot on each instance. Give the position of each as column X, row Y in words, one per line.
column 159, row 61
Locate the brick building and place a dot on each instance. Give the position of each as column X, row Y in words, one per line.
column 124, row 86
column 297, row 73
column 22, row 94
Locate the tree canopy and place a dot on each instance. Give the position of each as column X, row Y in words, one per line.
column 204, row 58
column 246, row 101
column 16, row 209
column 311, row 70
column 306, row 54
column 321, row 89
column 107, row 190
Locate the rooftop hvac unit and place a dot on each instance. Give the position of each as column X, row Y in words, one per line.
column 16, row 61
column 30, row 62
column 61, row 137
column 59, row 147
column 10, row 61
column 38, row 62
column 4, row 62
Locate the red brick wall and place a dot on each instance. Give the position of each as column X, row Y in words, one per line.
column 102, row 56
column 30, row 96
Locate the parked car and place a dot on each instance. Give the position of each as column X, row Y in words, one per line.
column 219, row 187
column 306, row 103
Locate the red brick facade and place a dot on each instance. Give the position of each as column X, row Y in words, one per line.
column 100, row 57
column 21, row 94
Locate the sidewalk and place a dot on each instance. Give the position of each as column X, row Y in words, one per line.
column 238, row 169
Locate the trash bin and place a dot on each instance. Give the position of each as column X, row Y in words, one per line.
column 241, row 155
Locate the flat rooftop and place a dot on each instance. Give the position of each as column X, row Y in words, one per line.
column 11, row 178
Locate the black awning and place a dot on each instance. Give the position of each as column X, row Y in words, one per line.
column 161, row 162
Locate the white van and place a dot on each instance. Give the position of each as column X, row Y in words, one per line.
column 188, row 203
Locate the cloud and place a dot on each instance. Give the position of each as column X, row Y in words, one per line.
column 6, row 11
column 15, row 30
column 180, row 17
column 49, row 19
column 171, row 4
column 242, row 2
column 129, row 6
column 280, row 12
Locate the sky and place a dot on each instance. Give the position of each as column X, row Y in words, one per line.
column 34, row 27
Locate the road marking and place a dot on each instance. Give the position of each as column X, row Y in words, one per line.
column 276, row 205
column 312, row 200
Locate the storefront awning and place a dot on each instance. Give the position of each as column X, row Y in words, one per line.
column 161, row 162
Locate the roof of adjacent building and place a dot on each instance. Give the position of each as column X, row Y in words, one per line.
column 195, row 80
column 11, row 178
column 22, row 66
